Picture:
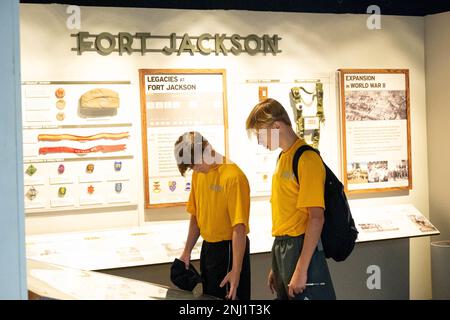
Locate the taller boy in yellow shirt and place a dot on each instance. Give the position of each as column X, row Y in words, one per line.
column 219, row 204
column 299, row 268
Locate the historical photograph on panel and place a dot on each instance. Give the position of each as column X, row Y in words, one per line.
column 378, row 171
column 375, row 105
column 357, row 172
column 375, row 129
column 398, row 170
column 421, row 223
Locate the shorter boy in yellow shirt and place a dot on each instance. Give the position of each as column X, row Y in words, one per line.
column 219, row 204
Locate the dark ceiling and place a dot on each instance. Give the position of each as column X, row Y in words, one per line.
column 388, row 7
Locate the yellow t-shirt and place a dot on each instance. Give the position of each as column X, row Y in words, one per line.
column 220, row 199
column 290, row 199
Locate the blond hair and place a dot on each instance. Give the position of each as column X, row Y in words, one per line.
column 265, row 113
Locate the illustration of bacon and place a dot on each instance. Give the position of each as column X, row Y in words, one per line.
column 59, row 137
column 101, row 148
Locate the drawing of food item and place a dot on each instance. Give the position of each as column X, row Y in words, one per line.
column 60, row 116
column 99, row 103
column 98, row 136
column 100, row 148
column 60, row 104
column 60, row 93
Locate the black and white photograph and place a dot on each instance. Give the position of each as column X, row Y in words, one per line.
column 378, row 171
column 375, row 105
column 421, row 223
column 357, row 173
column 398, row 170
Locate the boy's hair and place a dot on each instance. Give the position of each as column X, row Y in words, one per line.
column 189, row 149
column 265, row 113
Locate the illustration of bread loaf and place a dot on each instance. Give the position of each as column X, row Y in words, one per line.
column 99, row 102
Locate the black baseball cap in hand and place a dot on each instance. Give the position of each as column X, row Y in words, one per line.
column 185, row 279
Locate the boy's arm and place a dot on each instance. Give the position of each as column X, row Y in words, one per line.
column 193, row 235
column 312, row 237
column 239, row 244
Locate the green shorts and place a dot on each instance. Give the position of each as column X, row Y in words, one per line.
column 285, row 253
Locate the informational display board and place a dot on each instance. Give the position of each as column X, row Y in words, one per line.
column 78, row 145
column 376, row 129
column 175, row 101
column 390, row 222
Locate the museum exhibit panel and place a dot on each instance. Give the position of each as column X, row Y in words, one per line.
column 105, row 97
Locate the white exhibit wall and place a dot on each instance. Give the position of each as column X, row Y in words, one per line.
column 313, row 46
column 437, row 33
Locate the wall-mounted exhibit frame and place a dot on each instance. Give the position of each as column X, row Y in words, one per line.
column 375, row 115
column 174, row 101
column 78, row 142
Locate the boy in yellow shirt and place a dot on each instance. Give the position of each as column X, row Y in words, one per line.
column 219, row 204
column 299, row 267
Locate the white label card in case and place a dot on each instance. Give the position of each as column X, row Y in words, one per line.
column 312, row 123
column 61, row 180
column 34, row 181
column 90, row 178
column 69, row 202
column 90, row 200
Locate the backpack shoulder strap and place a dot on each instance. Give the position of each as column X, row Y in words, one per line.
column 297, row 156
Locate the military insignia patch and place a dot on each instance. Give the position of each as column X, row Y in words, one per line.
column 118, row 165
column 90, row 168
column 172, row 185
column 62, row 191
column 31, row 170
column 31, row 193
column 156, row 187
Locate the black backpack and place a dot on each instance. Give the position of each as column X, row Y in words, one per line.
column 339, row 232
